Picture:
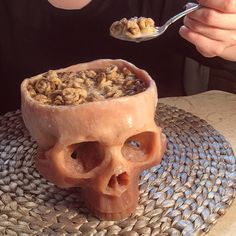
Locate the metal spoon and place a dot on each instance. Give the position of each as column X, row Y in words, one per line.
column 160, row 30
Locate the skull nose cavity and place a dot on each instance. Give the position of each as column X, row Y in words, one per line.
column 120, row 180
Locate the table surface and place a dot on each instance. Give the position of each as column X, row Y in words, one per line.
column 218, row 108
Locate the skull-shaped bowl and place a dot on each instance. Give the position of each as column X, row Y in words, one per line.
column 101, row 147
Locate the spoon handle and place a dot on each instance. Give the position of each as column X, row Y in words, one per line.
column 190, row 7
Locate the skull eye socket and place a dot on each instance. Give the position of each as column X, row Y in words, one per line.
column 83, row 157
column 138, row 148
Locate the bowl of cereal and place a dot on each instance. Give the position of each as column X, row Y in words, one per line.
column 95, row 129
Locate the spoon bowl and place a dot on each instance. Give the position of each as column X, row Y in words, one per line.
column 189, row 7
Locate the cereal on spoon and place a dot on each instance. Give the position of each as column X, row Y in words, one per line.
column 133, row 28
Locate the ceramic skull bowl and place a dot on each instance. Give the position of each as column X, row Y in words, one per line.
column 99, row 145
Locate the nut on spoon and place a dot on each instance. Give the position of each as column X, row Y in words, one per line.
column 190, row 7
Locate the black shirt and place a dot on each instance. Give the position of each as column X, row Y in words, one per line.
column 36, row 37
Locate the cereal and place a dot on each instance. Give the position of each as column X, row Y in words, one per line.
column 73, row 88
column 133, row 28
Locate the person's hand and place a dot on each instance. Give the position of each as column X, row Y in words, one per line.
column 212, row 29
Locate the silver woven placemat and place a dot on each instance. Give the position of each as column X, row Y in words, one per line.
column 184, row 195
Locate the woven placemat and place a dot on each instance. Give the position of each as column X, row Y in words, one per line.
column 184, row 195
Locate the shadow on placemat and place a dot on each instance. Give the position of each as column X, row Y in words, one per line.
column 184, row 195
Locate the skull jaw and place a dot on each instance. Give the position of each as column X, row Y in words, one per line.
column 109, row 207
